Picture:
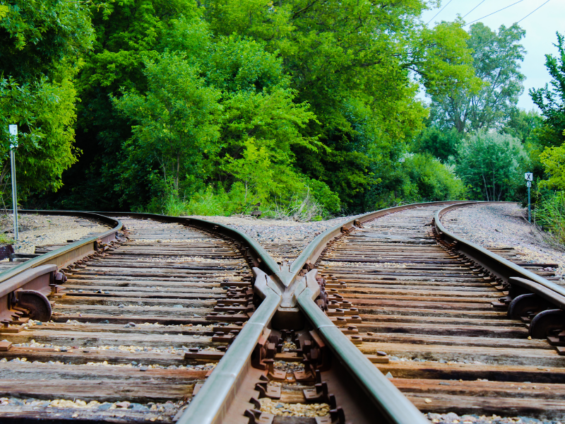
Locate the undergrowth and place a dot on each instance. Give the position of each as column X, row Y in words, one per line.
column 550, row 215
column 301, row 207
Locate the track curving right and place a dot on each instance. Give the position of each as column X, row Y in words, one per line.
column 431, row 311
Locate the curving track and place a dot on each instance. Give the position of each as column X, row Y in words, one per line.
column 173, row 308
column 431, row 311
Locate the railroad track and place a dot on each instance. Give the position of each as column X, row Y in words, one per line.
column 178, row 319
column 431, row 310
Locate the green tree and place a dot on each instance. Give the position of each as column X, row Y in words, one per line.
column 551, row 98
column 354, row 63
column 246, row 128
column 523, row 124
column 433, row 181
column 492, row 165
column 496, row 59
column 440, row 143
column 41, row 43
column 325, row 91
column 553, row 159
column 174, row 124
column 127, row 33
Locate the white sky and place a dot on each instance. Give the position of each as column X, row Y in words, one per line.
column 540, row 28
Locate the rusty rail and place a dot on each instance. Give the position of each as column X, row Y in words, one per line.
column 529, row 295
column 393, row 407
column 279, row 288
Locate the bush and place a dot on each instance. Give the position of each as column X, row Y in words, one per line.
column 440, row 143
column 313, row 202
column 492, row 165
column 550, row 214
column 434, row 181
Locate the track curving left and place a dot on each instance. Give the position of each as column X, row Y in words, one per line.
column 115, row 348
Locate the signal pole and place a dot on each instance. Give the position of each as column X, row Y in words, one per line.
column 13, row 146
column 529, row 178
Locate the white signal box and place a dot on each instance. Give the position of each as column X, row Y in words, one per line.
column 529, row 176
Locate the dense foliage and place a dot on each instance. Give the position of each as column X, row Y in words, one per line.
column 307, row 109
column 41, row 43
column 496, row 58
column 548, row 139
column 492, row 164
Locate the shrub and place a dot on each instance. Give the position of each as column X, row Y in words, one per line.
column 492, row 165
column 550, row 214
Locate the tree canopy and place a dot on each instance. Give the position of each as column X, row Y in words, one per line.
column 305, row 99
column 186, row 106
column 496, row 59
column 551, row 98
column 41, row 45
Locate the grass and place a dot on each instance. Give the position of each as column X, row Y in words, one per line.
column 550, row 215
column 4, row 239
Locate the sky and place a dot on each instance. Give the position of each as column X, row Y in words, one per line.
column 540, row 27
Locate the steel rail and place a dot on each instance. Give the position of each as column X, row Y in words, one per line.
column 529, row 295
column 391, row 404
column 394, row 407
column 266, row 262
column 315, row 248
column 498, row 265
column 72, row 252
column 219, row 389
column 213, row 400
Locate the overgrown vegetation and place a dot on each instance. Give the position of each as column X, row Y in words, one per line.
column 550, row 215
column 301, row 109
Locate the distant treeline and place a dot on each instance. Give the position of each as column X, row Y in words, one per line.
column 309, row 108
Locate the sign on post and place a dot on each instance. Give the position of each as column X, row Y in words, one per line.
column 529, row 176
column 13, row 145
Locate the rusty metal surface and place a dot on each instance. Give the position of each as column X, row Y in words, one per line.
column 116, row 309
column 530, row 297
column 454, row 345
column 316, row 247
column 503, row 268
column 216, row 396
column 333, row 329
column 390, row 406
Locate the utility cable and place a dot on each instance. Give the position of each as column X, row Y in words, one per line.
column 466, row 14
column 533, row 11
column 490, row 14
column 439, row 11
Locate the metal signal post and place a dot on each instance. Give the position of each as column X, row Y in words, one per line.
column 13, row 146
column 529, row 178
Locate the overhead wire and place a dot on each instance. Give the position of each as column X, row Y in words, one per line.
column 533, row 11
column 439, row 11
column 474, row 8
column 490, row 14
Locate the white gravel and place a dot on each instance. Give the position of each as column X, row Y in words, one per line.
column 283, row 239
column 505, row 225
column 43, row 230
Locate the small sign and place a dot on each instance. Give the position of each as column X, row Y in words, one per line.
column 13, row 129
column 529, row 176
column 529, row 184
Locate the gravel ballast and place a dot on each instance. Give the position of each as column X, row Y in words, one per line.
column 504, row 225
column 273, row 234
column 44, row 230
